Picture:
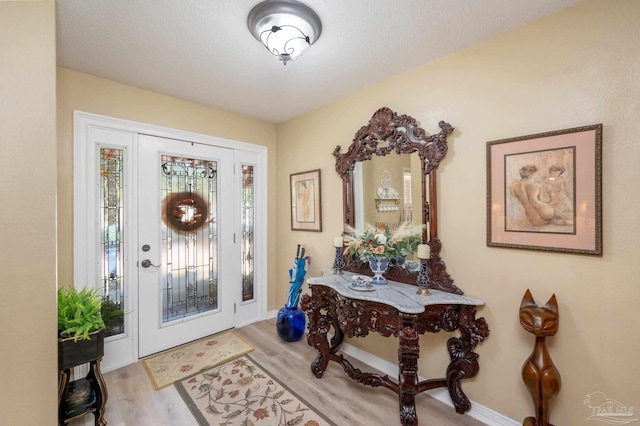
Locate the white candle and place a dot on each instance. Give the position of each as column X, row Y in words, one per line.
column 338, row 242
column 423, row 251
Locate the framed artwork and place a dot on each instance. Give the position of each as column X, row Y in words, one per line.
column 305, row 201
column 544, row 191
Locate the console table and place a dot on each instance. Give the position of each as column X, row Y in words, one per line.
column 394, row 309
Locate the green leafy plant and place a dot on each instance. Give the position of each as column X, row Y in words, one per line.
column 112, row 316
column 79, row 312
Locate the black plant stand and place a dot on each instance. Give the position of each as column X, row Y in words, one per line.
column 84, row 395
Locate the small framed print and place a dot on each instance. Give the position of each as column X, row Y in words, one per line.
column 544, row 191
column 305, row 201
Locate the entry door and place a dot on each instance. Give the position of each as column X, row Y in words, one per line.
column 186, row 268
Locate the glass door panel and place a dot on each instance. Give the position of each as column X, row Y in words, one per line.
column 190, row 237
column 247, row 223
column 111, row 239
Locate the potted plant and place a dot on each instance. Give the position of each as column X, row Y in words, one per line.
column 80, row 340
column 80, row 326
column 113, row 317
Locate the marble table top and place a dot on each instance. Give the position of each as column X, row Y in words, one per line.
column 401, row 296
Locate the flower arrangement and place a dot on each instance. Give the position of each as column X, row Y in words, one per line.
column 383, row 242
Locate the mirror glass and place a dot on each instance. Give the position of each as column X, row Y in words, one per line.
column 388, row 191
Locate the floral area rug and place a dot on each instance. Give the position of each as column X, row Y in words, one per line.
column 167, row 367
column 243, row 393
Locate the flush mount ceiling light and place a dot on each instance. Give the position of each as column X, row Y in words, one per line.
column 285, row 27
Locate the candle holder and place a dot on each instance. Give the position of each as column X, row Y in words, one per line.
column 338, row 262
column 423, row 279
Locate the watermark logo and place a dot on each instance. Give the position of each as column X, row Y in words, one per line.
column 608, row 410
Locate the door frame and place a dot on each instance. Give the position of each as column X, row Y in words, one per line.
column 85, row 245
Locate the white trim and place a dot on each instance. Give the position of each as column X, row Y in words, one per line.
column 271, row 314
column 83, row 124
column 165, row 132
column 88, row 140
column 251, row 311
column 478, row 411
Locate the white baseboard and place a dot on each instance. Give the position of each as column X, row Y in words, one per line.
column 271, row 314
column 478, row 411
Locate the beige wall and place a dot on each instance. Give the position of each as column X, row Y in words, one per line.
column 28, row 364
column 574, row 68
column 77, row 91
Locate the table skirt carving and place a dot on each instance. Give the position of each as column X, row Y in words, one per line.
column 327, row 311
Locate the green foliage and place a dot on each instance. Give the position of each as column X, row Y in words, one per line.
column 384, row 242
column 111, row 315
column 79, row 312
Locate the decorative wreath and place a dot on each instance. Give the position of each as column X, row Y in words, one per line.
column 185, row 211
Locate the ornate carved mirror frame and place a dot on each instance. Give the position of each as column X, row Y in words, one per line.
column 388, row 132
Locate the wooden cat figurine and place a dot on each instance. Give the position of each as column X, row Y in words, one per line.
column 538, row 372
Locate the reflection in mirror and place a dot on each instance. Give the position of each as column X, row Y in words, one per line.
column 384, row 189
column 383, row 201
column 389, row 177
column 387, row 200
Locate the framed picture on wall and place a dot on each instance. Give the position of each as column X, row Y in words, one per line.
column 544, row 191
column 305, row 201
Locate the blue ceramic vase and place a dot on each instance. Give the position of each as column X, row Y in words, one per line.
column 378, row 267
column 290, row 323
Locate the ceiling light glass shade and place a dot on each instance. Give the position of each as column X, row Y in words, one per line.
column 286, row 28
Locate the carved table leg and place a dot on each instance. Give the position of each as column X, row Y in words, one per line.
column 464, row 362
column 408, row 354
column 319, row 341
column 319, row 326
column 338, row 337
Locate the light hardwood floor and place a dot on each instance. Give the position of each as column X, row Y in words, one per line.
column 133, row 402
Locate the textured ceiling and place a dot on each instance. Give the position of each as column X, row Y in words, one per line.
column 202, row 51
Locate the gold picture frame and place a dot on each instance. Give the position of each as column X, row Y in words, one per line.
column 544, row 191
column 306, row 201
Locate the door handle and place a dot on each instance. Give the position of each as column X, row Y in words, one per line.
column 146, row 263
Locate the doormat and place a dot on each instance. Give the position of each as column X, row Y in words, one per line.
column 243, row 393
column 177, row 363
